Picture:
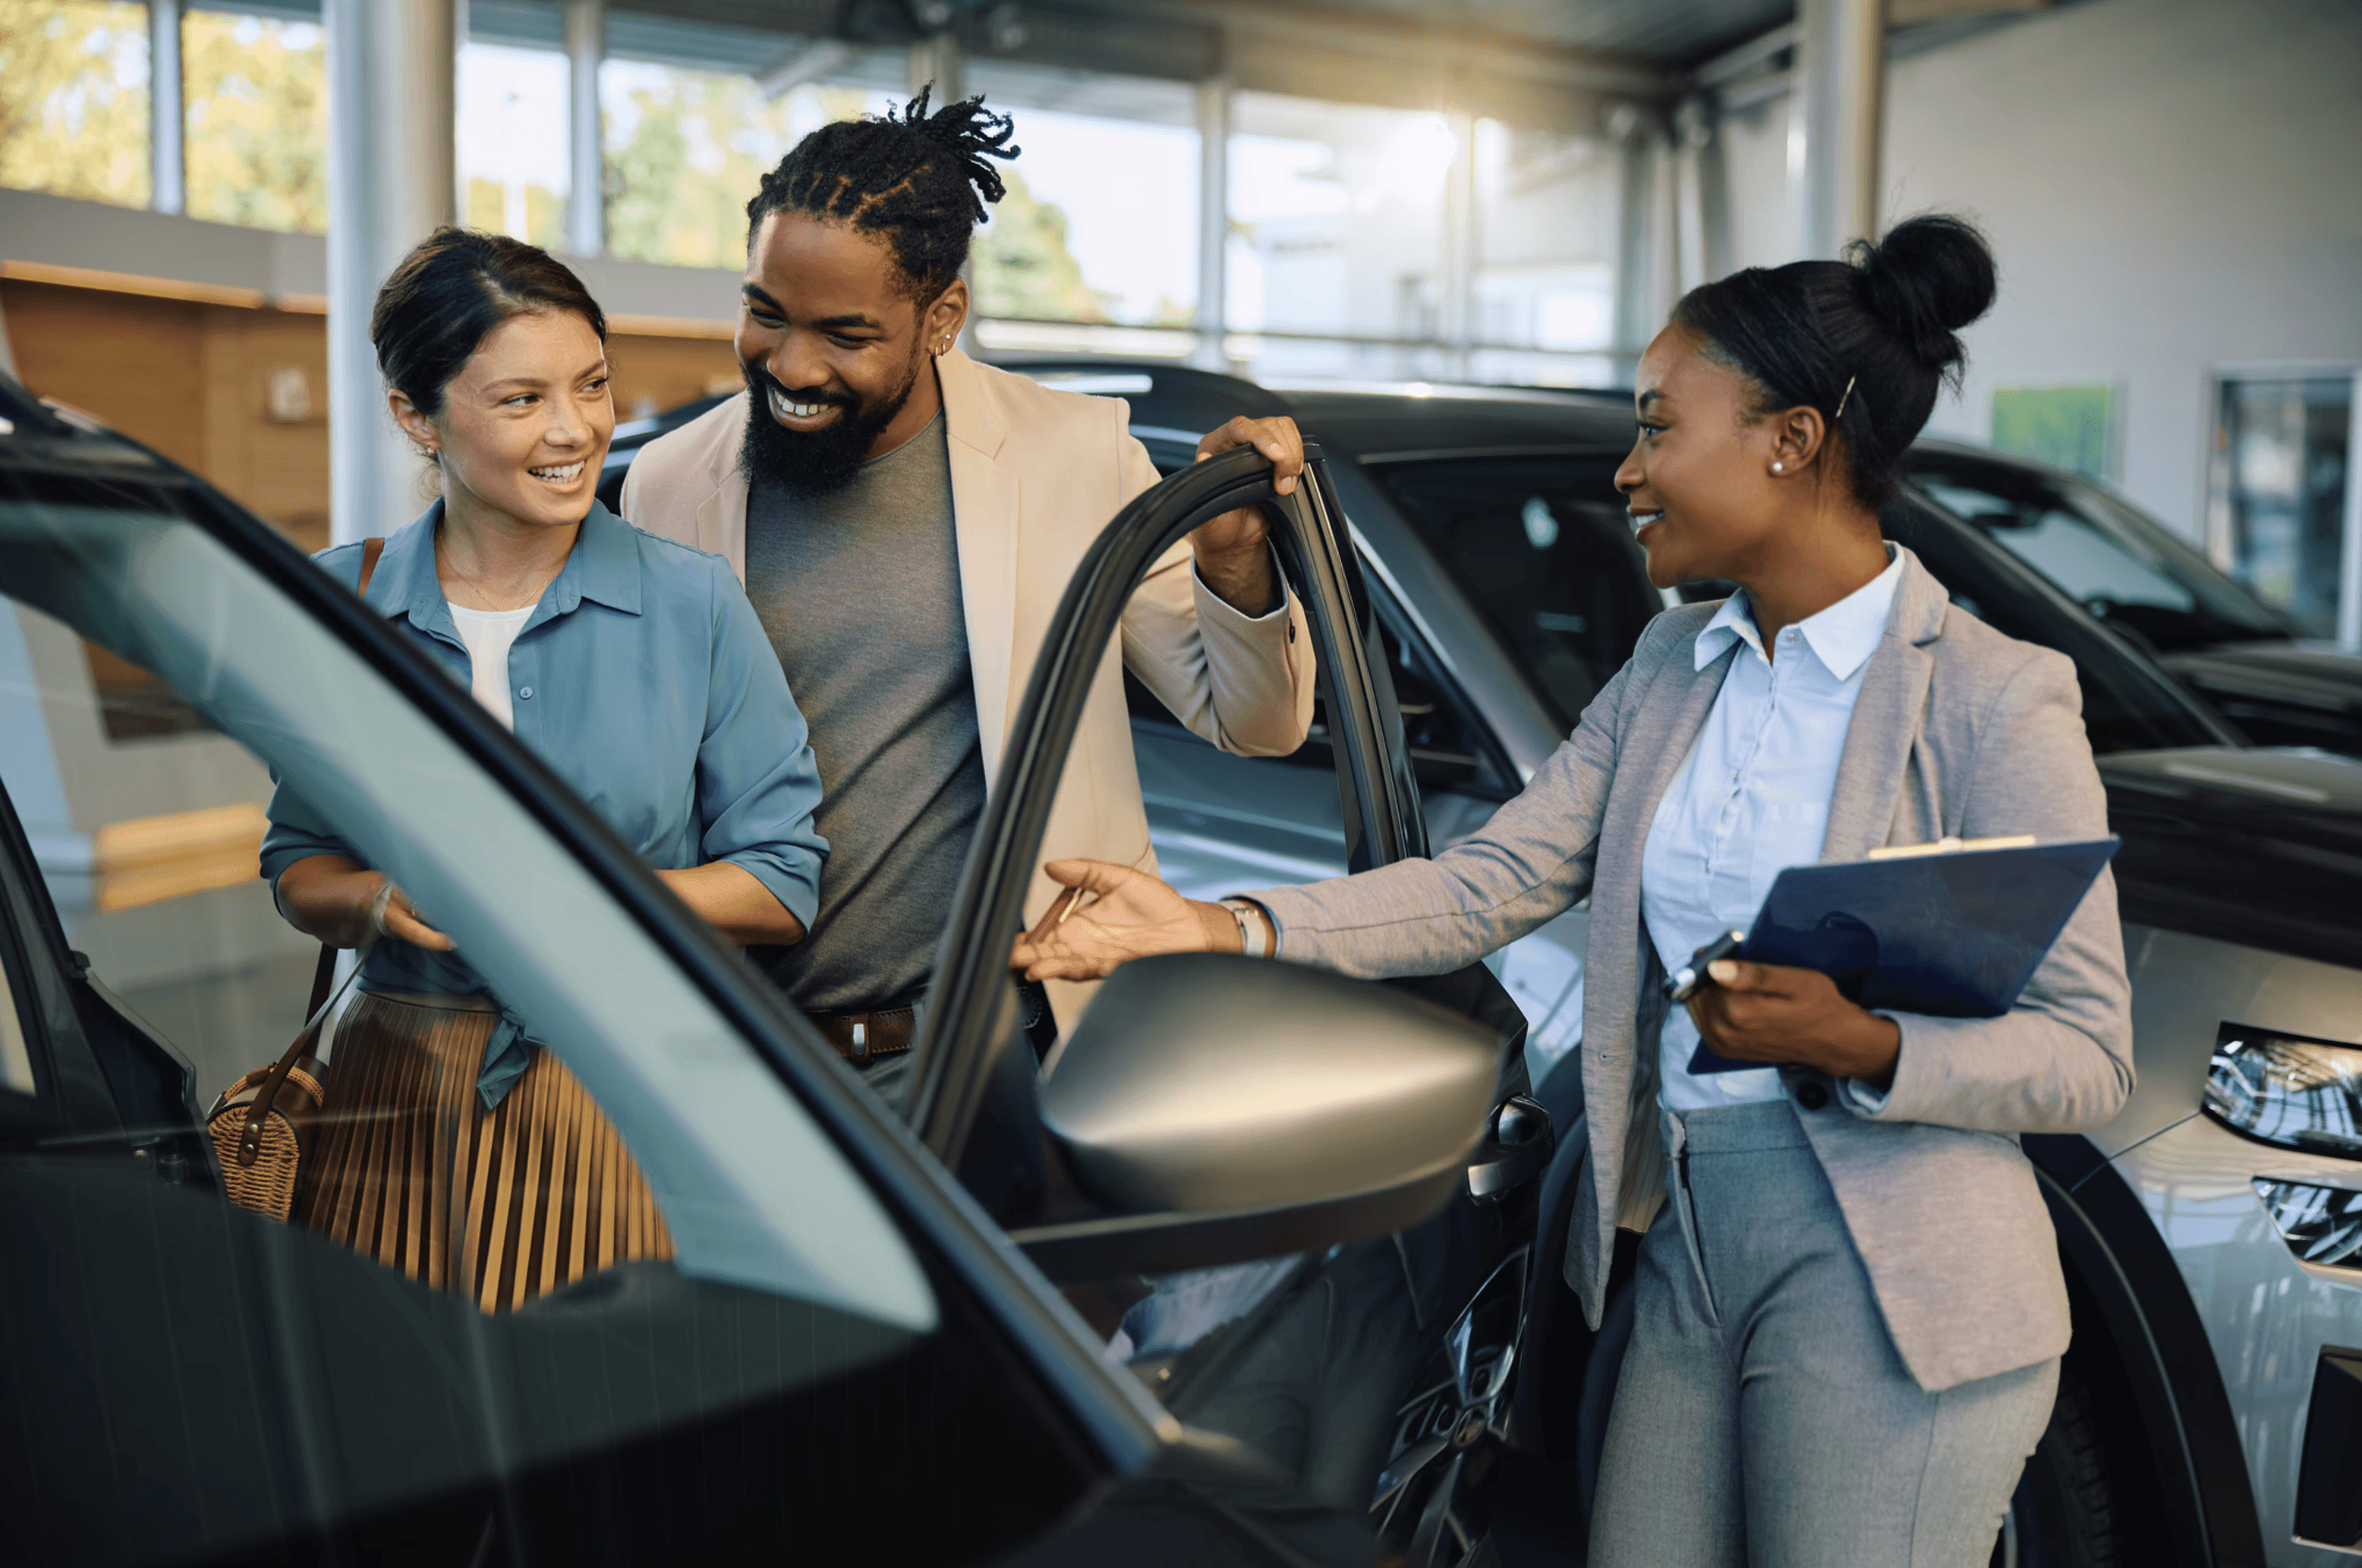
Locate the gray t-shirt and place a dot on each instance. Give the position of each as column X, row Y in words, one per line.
column 859, row 590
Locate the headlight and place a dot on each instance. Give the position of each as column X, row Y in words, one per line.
column 2286, row 1089
column 2321, row 1225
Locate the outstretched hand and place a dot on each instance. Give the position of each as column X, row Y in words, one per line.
column 1771, row 1012
column 1113, row 914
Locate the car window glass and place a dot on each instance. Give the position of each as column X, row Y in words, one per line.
column 1542, row 547
column 342, row 1386
column 16, row 1062
column 2067, row 547
column 2129, row 703
column 2123, row 567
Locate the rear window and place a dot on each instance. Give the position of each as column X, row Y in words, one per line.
column 1543, row 548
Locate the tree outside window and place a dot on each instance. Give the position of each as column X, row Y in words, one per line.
column 73, row 99
column 513, row 141
column 258, row 121
column 686, row 150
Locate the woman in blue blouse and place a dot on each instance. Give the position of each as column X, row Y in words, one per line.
column 458, row 1150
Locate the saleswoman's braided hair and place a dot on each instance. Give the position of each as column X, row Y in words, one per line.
column 1870, row 341
column 919, row 181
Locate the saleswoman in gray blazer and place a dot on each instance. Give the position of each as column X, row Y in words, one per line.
column 1850, row 1309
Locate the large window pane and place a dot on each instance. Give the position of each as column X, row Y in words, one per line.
column 1337, row 225
column 513, row 141
column 1100, row 220
column 687, row 149
column 258, row 119
column 1545, row 273
column 73, row 99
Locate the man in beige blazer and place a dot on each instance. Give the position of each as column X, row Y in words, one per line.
column 897, row 510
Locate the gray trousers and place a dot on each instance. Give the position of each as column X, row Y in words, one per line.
column 1762, row 1416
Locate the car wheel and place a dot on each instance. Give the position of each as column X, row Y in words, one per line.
column 2063, row 1515
column 1433, row 1503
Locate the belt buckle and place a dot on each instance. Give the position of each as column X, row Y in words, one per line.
column 860, row 1039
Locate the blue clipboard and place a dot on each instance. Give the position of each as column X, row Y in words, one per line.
column 1953, row 935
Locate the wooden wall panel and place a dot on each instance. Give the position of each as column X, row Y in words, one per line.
column 275, row 461
column 132, row 362
column 652, row 373
column 193, row 380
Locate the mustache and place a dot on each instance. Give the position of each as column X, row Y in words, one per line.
column 763, row 381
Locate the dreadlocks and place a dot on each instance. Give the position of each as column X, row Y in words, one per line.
column 918, row 179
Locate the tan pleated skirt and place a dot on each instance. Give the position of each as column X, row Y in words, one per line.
column 408, row 1167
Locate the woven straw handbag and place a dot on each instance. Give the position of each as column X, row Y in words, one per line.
column 261, row 1125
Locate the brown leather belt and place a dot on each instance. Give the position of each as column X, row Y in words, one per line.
column 861, row 1037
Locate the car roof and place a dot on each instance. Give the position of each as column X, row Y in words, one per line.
column 1377, row 421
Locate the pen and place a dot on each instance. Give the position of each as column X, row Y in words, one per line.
column 1683, row 983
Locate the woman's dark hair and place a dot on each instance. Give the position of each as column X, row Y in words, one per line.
column 918, row 180
column 1885, row 321
column 450, row 292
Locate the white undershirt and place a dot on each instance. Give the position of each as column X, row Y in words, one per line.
column 488, row 634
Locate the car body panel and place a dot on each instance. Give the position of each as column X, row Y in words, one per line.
column 2266, row 1313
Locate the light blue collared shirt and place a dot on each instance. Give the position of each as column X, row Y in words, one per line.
column 1751, row 799
column 644, row 681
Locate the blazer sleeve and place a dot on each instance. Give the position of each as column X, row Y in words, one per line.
column 757, row 783
column 1244, row 683
column 2061, row 1061
column 1529, row 864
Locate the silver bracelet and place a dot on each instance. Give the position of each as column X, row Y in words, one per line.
column 377, row 906
column 1251, row 940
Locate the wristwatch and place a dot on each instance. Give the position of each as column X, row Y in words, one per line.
column 1251, row 929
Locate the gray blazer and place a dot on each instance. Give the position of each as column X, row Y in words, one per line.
column 1958, row 730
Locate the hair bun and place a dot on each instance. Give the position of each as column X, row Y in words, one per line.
column 1931, row 276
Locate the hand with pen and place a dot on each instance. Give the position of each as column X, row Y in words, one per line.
column 1778, row 1014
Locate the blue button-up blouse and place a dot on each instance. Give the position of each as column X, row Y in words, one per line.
column 644, row 681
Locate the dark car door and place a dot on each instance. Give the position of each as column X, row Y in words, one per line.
column 832, row 1337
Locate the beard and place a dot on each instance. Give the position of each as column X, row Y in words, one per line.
column 809, row 464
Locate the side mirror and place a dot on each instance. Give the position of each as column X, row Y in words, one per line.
column 1211, row 1109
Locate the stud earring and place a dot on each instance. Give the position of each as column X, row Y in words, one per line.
column 1779, row 468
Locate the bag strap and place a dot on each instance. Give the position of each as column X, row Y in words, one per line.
column 258, row 1109
column 324, row 974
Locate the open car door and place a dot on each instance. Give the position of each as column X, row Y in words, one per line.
column 1433, row 1265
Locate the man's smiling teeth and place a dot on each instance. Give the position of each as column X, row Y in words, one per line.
column 1642, row 520
column 566, row 476
column 786, row 409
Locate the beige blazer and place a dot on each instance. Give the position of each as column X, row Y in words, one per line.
column 1958, row 730
column 1036, row 475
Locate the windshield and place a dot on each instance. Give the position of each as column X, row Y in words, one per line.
column 2124, row 566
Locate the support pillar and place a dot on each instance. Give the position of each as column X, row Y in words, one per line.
column 1457, row 290
column 1213, row 225
column 1835, row 115
column 936, row 59
column 167, row 116
column 1645, row 257
column 586, row 203
column 392, row 178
